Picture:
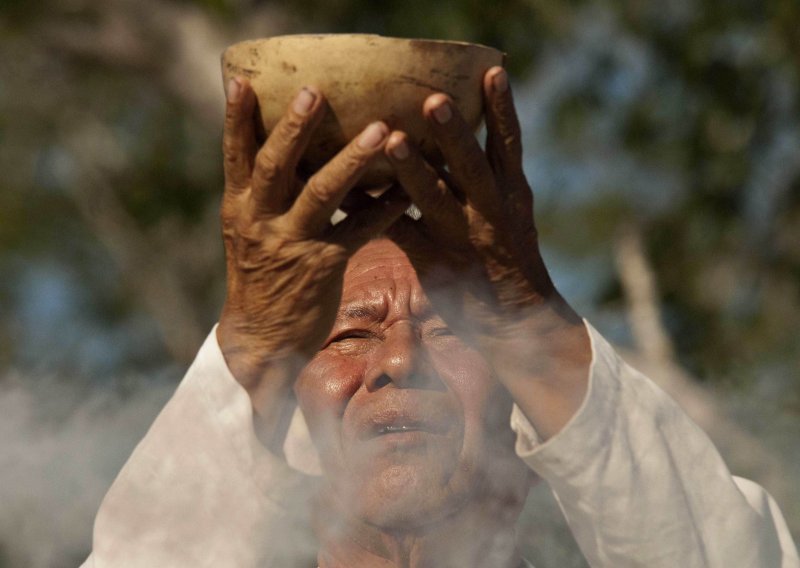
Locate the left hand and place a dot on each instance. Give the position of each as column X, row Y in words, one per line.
column 477, row 218
column 477, row 253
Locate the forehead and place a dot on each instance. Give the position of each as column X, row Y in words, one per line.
column 380, row 269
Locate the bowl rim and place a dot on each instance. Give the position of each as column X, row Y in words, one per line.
column 460, row 43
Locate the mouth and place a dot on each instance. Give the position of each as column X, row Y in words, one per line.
column 405, row 436
column 405, row 417
column 397, row 425
column 398, row 429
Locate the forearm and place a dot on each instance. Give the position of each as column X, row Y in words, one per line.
column 267, row 375
column 642, row 485
column 543, row 360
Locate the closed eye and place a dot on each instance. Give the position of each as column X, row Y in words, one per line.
column 352, row 334
column 352, row 341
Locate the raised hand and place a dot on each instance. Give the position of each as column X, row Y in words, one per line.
column 285, row 260
column 477, row 251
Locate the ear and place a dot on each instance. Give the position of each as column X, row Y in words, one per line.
column 299, row 449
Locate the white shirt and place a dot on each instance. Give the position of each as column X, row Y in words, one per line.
column 639, row 484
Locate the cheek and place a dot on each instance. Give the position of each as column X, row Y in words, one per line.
column 323, row 390
column 467, row 375
column 485, row 403
column 487, row 452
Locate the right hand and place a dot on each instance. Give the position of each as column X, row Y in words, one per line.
column 285, row 261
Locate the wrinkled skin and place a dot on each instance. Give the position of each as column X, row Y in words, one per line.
column 407, row 385
column 284, row 259
column 391, row 360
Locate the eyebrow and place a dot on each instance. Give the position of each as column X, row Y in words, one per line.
column 362, row 311
column 376, row 310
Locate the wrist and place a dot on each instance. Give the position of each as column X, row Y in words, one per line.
column 547, row 320
column 268, row 378
column 539, row 335
column 254, row 362
column 543, row 358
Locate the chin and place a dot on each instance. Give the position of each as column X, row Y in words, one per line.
column 409, row 496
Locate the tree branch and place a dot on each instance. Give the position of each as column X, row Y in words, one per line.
column 655, row 356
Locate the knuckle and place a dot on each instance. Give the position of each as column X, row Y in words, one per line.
column 231, row 149
column 354, row 160
column 231, row 164
column 227, row 222
column 236, row 181
column 290, row 130
column 338, row 171
column 230, row 214
column 511, row 139
column 505, row 106
column 268, row 168
column 229, row 233
column 243, row 236
column 508, row 128
column 317, row 193
column 231, row 112
column 232, row 115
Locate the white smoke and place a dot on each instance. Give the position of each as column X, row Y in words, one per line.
column 61, row 449
column 63, row 445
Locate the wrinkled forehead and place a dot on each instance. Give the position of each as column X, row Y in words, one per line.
column 381, row 271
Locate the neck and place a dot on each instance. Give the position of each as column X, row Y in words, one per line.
column 468, row 539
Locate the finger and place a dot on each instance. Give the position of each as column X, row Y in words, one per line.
column 374, row 219
column 504, row 146
column 440, row 208
column 326, row 189
column 465, row 159
column 238, row 138
column 277, row 160
column 503, row 138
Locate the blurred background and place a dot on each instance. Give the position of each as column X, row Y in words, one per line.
column 662, row 141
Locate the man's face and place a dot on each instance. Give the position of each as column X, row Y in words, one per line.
column 408, row 421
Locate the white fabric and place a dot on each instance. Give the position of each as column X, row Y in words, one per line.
column 639, row 483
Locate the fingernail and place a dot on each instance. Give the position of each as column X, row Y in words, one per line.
column 304, row 101
column 443, row 113
column 400, row 150
column 234, row 91
column 500, row 81
column 372, row 136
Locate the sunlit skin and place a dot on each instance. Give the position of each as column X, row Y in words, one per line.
column 411, row 428
column 405, row 351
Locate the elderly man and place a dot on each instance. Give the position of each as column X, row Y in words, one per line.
column 408, row 345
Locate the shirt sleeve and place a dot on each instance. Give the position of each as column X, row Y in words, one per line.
column 200, row 490
column 640, row 484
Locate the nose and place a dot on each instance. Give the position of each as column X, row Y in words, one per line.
column 401, row 361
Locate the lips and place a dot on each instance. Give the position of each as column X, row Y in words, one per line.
column 402, row 423
column 397, row 429
column 405, row 413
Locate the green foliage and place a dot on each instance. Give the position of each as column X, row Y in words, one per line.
column 679, row 116
column 508, row 25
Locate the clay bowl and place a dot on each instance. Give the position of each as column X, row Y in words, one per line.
column 364, row 78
